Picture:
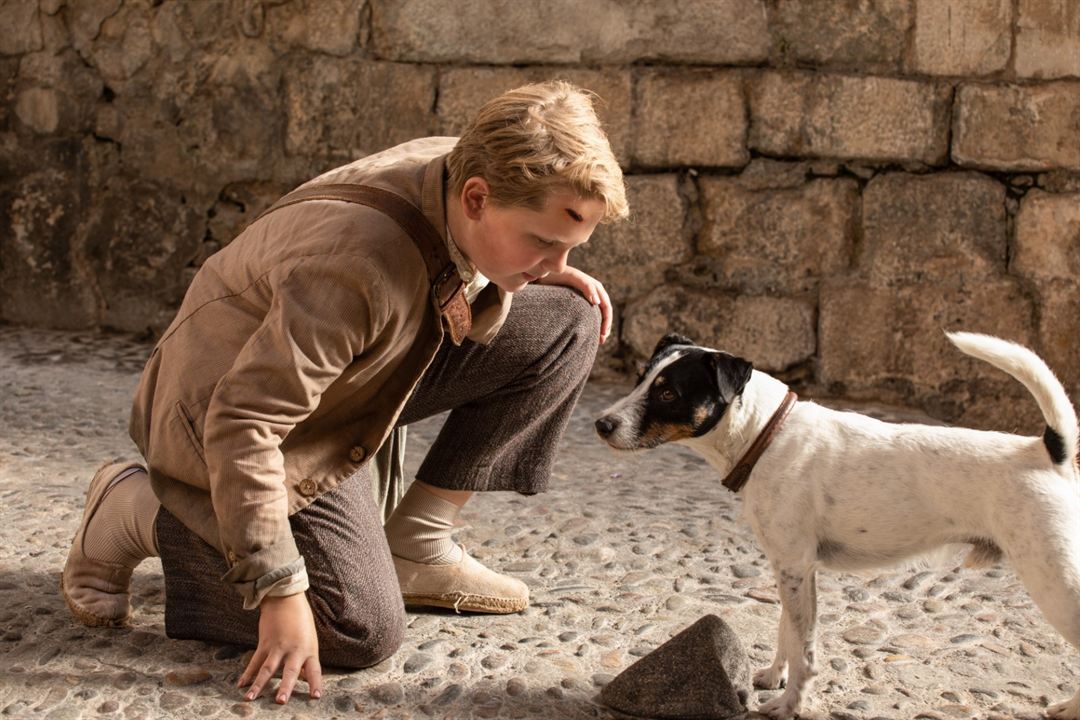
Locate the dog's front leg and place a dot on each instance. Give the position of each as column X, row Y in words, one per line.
column 798, row 619
column 775, row 676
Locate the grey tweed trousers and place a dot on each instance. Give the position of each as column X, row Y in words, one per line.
column 509, row 403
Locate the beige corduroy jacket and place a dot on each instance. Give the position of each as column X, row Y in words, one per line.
column 289, row 362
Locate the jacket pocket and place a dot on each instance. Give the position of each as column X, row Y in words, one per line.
column 188, row 424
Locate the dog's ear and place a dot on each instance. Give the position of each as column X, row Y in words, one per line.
column 732, row 374
column 671, row 339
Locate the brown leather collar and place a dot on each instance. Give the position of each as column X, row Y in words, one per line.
column 741, row 472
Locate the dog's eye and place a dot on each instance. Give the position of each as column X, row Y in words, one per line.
column 667, row 396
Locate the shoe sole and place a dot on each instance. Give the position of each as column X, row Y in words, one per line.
column 468, row 602
column 86, row 617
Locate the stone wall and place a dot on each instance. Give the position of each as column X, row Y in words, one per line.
column 821, row 187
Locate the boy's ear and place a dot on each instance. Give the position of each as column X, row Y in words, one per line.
column 671, row 339
column 475, row 193
column 732, row 374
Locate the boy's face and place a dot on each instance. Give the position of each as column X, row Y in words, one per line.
column 512, row 246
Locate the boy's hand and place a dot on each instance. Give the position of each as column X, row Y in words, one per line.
column 591, row 288
column 287, row 639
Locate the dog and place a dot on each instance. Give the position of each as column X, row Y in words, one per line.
column 844, row 491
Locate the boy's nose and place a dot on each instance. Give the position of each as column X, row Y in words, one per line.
column 558, row 263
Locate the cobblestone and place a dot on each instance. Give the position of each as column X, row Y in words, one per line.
column 664, row 548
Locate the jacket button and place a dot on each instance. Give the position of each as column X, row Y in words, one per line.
column 307, row 487
column 357, row 454
column 232, row 558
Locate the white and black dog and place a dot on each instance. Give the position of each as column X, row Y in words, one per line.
column 842, row 490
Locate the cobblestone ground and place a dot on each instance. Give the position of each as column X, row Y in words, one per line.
column 625, row 552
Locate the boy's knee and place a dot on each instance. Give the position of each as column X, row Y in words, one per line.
column 361, row 640
column 579, row 317
column 587, row 319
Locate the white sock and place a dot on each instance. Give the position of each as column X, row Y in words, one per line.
column 122, row 529
column 421, row 527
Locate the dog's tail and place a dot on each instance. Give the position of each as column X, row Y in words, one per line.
column 1060, row 436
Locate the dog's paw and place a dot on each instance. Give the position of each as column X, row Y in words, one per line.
column 1068, row 710
column 782, row 707
column 770, row 678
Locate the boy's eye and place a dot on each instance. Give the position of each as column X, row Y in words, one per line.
column 543, row 243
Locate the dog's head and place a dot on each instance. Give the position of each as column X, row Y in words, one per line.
column 683, row 393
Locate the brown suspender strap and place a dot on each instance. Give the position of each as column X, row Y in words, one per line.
column 741, row 472
column 448, row 292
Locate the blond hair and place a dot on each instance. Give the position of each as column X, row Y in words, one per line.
column 536, row 138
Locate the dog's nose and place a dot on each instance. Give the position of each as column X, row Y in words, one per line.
column 606, row 425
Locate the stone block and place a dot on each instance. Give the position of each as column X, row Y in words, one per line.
column 139, row 242
column 1059, row 327
column 868, row 118
column 9, row 78
column 1014, row 127
column 943, row 227
column 773, row 333
column 690, row 117
column 208, row 28
column 22, row 27
column 41, row 280
column 1048, row 39
column 504, row 32
column 961, row 37
column 38, row 109
column 1048, row 237
column 58, row 92
column 1060, row 181
column 767, row 174
column 55, row 33
column 124, row 44
column 777, row 241
column 858, row 35
column 85, row 20
column 462, row 91
column 238, row 205
column 327, row 26
column 888, row 343
column 345, row 109
column 631, row 257
column 199, row 134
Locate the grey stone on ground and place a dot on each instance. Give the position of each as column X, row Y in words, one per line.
column 702, row 672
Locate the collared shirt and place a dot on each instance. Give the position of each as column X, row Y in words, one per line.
column 474, row 280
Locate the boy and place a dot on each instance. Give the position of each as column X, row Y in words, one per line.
column 336, row 317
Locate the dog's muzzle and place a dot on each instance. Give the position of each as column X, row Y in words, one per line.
column 605, row 426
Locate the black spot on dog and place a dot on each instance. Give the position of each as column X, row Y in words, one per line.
column 732, row 374
column 1055, row 445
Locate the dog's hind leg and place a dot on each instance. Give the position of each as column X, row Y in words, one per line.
column 1059, row 600
column 1048, row 563
column 796, row 645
